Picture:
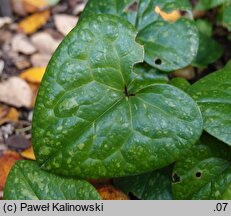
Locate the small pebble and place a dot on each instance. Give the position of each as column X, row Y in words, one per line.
column 17, row 142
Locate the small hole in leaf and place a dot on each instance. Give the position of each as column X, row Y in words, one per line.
column 158, row 61
column 198, row 174
column 183, row 13
column 175, row 178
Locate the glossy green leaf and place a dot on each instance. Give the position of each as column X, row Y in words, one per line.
column 205, row 173
column 209, row 51
column 155, row 185
column 146, row 10
column 87, row 120
column 213, row 95
column 122, row 8
column 145, row 75
column 227, row 17
column 27, row 181
column 180, row 83
column 169, row 45
column 208, row 4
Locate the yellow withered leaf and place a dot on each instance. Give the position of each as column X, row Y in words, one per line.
column 12, row 116
column 32, row 23
column 171, row 17
column 28, row 153
column 32, row 6
column 33, row 75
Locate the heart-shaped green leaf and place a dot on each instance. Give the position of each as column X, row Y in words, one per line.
column 155, row 185
column 205, row 174
column 213, row 95
column 93, row 120
column 169, row 45
column 27, row 181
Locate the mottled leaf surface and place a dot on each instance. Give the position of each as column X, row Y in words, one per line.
column 205, row 174
column 213, row 95
column 122, row 8
column 155, row 185
column 88, row 121
column 146, row 13
column 27, row 181
column 144, row 75
column 169, row 45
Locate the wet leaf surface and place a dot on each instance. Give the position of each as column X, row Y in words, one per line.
column 89, row 113
column 155, row 185
column 27, row 181
column 213, row 95
column 205, row 173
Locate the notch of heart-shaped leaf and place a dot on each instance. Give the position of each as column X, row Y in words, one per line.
column 27, row 181
column 93, row 120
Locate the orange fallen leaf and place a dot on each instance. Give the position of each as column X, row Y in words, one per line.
column 12, row 116
column 108, row 192
column 32, row 6
column 33, row 75
column 32, row 23
column 28, row 153
column 6, row 162
column 171, row 17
